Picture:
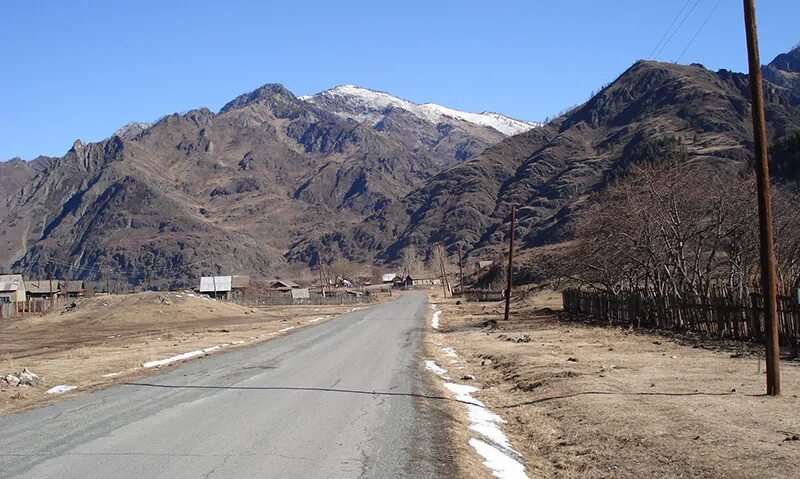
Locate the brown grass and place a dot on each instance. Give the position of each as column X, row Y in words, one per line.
column 587, row 401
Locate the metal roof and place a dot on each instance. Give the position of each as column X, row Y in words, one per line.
column 11, row 282
column 210, row 284
column 42, row 286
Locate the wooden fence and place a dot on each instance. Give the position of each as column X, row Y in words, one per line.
column 482, row 295
column 29, row 307
column 313, row 300
column 720, row 315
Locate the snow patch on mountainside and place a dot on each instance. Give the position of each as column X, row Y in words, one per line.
column 366, row 105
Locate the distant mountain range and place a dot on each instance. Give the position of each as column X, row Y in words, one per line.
column 235, row 190
column 272, row 180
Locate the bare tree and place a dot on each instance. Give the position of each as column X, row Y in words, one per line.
column 679, row 229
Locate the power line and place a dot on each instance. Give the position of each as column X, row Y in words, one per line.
column 668, row 29
column 677, row 28
column 699, row 30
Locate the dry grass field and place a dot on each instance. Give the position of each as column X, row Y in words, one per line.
column 106, row 339
column 591, row 401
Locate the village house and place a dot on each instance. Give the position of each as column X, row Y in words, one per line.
column 283, row 285
column 421, row 281
column 75, row 289
column 388, row 277
column 42, row 288
column 12, row 288
column 216, row 286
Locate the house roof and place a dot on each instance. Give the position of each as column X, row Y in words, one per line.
column 41, row 286
column 283, row 283
column 388, row 277
column 211, row 284
column 240, row 281
column 75, row 286
column 11, row 282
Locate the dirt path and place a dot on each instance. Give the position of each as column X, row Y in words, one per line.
column 106, row 339
column 585, row 401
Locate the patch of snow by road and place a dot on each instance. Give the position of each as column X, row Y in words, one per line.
column 285, row 329
column 502, row 465
column 434, row 368
column 450, row 352
column 482, row 420
column 238, row 342
column 61, row 388
column 435, row 320
column 315, row 319
column 433, row 307
column 111, row 375
column 499, row 457
column 179, row 357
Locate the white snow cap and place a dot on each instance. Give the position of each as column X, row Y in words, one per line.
column 370, row 105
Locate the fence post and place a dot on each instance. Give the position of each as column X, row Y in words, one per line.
column 754, row 314
column 796, row 324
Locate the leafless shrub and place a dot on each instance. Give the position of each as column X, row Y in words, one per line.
column 680, row 229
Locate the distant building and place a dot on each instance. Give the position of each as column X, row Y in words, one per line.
column 41, row 288
column 300, row 293
column 216, row 286
column 283, row 285
column 388, row 277
column 424, row 281
column 12, row 288
column 480, row 265
column 74, row 289
column 239, row 283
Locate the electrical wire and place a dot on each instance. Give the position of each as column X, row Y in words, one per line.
column 650, row 56
column 699, row 30
column 677, row 28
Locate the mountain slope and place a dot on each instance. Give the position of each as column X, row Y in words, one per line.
column 226, row 191
column 653, row 110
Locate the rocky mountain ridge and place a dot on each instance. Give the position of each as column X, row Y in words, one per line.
column 205, row 191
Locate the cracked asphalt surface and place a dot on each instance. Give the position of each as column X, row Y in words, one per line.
column 337, row 400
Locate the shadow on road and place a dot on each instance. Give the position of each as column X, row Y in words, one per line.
column 288, row 388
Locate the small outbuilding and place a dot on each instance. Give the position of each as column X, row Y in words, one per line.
column 388, row 277
column 75, row 289
column 12, row 288
column 481, row 265
column 283, row 285
column 300, row 293
column 42, row 288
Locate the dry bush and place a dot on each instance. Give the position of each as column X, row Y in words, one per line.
column 679, row 229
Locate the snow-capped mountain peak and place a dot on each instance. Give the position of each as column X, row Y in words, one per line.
column 367, row 105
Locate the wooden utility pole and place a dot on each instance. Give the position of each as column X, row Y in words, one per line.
column 441, row 269
column 460, row 272
column 50, row 273
column 321, row 280
column 768, row 273
column 510, row 261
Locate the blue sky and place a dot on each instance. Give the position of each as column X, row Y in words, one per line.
column 83, row 68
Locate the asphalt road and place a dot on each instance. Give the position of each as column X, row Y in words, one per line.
column 343, row 399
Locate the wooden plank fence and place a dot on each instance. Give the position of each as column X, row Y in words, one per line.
column 721, row 315
column 484, row 295
column 30, row 307
column 314, row 300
